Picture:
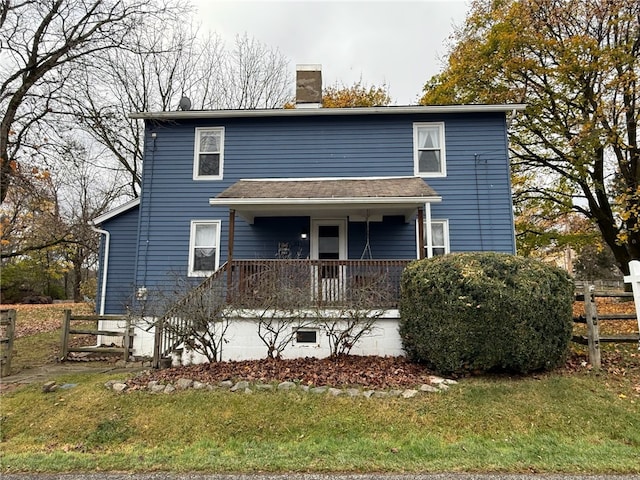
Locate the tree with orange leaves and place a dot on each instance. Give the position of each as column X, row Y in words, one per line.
column 357, row 95
column 577, row 67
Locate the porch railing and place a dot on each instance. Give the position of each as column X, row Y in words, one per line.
column 176, row 325
column 315, row 283
column 283, row 284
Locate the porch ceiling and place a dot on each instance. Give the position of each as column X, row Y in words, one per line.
column 359, row 198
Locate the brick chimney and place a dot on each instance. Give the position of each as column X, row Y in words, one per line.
column 308, row 86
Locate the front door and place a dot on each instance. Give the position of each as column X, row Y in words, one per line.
column 328, row 242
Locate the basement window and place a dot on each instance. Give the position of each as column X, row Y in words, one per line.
column 305, row 336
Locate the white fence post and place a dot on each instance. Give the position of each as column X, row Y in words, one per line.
column 634, row 279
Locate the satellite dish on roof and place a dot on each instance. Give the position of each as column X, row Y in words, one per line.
column 185, row 103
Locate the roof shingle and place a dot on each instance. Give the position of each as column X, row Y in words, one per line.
column 394, row 187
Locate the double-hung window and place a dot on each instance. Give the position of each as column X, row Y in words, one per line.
column 204, row 252
column 208, row 153
column 438, row 242
column 428, row 150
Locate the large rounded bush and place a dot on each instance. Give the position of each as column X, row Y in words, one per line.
column 485, row 312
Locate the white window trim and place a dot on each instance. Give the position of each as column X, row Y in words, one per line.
column 192, row 242
column 196, row 154
column 429, row 245
column 443, row 156
column 341, row 223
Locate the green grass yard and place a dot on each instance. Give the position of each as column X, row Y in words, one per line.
column 572, row 420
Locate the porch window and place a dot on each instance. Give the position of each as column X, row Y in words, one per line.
column 204, row 253
column 439, row 238
column 208, row 153
column 428, row 150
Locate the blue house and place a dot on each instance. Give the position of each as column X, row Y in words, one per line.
column 343, row 194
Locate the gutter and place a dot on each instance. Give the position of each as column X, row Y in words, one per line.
column 330, row 201
column 292, row 112
column 105, row 264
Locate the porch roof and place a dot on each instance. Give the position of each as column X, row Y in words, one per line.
column 357, row 197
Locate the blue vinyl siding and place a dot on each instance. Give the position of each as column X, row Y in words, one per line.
column 393, row 238
column 262, row 239
column 122, row 259
column 476, row 194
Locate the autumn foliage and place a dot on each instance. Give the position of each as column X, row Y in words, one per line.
column 576, row 66
column 357, row 95
column 346, row 370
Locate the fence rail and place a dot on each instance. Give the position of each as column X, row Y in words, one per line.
column 592, row 319
column 68, row 330
column 601, row 285
column 7, row 332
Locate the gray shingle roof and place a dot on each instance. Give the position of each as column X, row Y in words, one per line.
column 361, row 188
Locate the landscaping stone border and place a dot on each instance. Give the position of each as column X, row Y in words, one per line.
column 435, row 385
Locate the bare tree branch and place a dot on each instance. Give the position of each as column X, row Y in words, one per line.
column 42, row 38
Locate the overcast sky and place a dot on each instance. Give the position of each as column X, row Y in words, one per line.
column 397, row 43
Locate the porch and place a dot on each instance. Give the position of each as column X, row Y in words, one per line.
column 340, row 219
column 330, row 275
column 289, row 284
column 241, row 292
column 347, row 225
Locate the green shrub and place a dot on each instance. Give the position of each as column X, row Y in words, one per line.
column 479, row 312
column 29, row 277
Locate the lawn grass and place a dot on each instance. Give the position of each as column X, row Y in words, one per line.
column 553, row 423
column 38, row 331
column 35, row 350
column 573, row 420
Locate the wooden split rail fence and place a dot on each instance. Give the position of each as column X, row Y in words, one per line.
column 592, row 319
column 68, row 329
column 7, row 331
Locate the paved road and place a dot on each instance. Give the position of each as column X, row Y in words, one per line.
column 188, row 476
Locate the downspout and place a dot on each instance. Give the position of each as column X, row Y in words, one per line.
column 105, row 264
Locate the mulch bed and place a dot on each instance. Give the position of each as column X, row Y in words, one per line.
column 382, row 372
column 371, row 372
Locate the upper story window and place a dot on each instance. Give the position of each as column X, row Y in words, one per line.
column 204, row 252
column 439, row 244
column 209, row 154
column 428, row 150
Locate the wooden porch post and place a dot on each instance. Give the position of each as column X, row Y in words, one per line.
column 420, row 233
column 232, row 226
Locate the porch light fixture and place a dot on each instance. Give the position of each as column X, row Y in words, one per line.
column 304, row 234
